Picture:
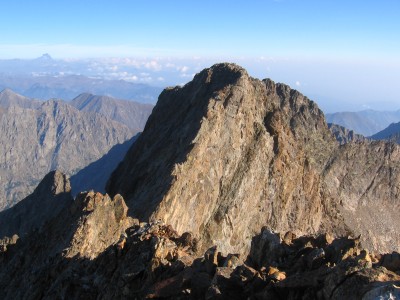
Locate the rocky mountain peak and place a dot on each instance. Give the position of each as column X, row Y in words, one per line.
column 234, row 150
column 227, row 154
column 45, row 57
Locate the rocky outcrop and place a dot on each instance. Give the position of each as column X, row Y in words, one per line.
column 54, row 136
column 227, row 154
column 50, row 197
column 344, row 135
column 319, row 267
column 51, row 261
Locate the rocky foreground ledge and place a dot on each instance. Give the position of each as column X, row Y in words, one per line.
column 95, row 251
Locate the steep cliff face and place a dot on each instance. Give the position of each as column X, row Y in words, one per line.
column 226, row 154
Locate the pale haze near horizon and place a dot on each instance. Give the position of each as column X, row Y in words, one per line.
column 345, row 55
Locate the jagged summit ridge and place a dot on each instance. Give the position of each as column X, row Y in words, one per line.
column 227, row 154
column 232, row 156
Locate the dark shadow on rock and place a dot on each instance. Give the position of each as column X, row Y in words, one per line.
column 95, row 175
column 39, row 261
column 153, row 261
column 50, row 197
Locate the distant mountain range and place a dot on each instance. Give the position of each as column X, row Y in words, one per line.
column 391, row 133
column 39, row 136
column 366, row 122
column 66, row 87
column 132, row 114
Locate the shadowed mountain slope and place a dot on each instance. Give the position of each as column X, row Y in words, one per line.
column 50, row 197
column 95, row 175
column 391, row 133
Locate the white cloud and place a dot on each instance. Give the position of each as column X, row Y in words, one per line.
column 153, row 65
column 112, row 68
column 169, row 65
column 298, row 83
column 183, row 69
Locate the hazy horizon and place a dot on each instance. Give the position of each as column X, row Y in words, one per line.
column 343, row 55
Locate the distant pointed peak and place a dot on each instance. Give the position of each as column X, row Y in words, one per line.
column 45, row 57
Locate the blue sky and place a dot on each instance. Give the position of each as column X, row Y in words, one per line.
column 333, row 50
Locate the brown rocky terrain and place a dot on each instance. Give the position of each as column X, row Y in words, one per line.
column 227, row 154
column 94, row 250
